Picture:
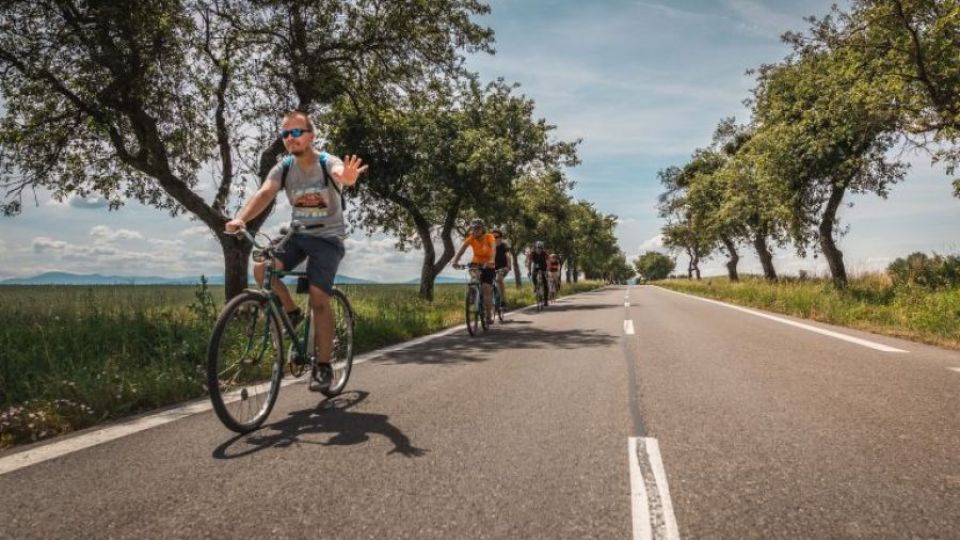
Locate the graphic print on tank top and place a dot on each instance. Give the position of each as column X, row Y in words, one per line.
column 310, row 203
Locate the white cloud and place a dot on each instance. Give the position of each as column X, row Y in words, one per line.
column 761, row 19
column 200, row 230
column 652, row 244
column 42, row 244
column 104, row 234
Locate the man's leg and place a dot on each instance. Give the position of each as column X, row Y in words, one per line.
column 324, row 328
column 503, row 290
column 260, row 272
column 488, row 300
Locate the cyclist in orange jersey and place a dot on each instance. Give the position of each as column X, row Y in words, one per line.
column 484, row 246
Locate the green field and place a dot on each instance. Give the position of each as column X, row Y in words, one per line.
column 72, row 356
column 870, row 302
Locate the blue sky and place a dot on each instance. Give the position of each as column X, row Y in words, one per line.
column 643, row 84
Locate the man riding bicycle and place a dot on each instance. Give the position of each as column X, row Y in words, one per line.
column 537, row 266
column 484, row 246
column 501, row 265
column 317, row 203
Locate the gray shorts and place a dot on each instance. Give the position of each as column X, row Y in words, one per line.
column 323, row 258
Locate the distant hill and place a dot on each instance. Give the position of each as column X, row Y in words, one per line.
column 66, row 278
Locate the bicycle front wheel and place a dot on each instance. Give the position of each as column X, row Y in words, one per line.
column 245, row 362
column 342, row 361
column 470, row 311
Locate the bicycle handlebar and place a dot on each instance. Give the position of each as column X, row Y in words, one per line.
column 273, row 246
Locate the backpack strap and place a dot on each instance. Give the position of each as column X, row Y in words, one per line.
column 326, row 180
column 287, row 161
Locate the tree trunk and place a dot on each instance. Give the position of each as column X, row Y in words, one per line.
column 236, row 260
column 734, row 257
column 829, row 247
column 766, row 258
column 432, row 266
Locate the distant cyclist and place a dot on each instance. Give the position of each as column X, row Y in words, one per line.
column 502, row 264
column 537, row 265
column 484, row 247
column 553, row 266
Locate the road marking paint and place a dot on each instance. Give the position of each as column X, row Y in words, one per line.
column 957, row 369
column 628, row 327
column 822, row 331
column 136, row 424
column 639, row 503
column 626, row 304
column 652, row 509
column 660, row 475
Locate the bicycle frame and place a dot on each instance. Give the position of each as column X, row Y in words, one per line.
column 274, row 302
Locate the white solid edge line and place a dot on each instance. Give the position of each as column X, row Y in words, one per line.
column 55, row 449
column 639, row 503
column 628, row 327
column 829, row 333
column 660, row 475
column 957, row 369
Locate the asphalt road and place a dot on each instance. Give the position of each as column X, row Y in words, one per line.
column 765, row 431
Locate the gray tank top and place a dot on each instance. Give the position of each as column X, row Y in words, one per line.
column 314, row 203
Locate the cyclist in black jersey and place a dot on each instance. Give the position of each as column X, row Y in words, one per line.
column 502, row 265
column 537, row 264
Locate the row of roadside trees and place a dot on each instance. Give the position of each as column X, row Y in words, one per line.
column 861, row 83
column 146, row 100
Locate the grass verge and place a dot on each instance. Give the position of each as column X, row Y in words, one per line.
column 71, row 356
column 870, row 303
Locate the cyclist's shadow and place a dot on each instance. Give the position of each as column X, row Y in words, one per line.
column 330, row 416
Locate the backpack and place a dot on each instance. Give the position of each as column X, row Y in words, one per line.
column 288, row 161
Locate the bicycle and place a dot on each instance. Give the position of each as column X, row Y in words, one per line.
column 474, row 310
column 539, row 280
column 245, row 356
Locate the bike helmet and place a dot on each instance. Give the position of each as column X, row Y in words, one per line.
column 538, row 244
column 478, row 223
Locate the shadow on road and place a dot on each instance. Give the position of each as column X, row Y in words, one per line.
column 330, row 416
column 460, row 348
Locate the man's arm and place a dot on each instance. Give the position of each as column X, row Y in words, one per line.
column 456, row 259
column 255, row 205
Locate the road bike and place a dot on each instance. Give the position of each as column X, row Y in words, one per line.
column 540, row 283
column 246, row 356
column 474, row 311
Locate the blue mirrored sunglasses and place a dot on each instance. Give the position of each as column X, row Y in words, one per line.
column 296, row 132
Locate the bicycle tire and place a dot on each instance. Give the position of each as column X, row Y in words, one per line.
column 470, row 312
column 344, row 325
column 251, row 369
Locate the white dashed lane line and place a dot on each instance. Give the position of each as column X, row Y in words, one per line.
column 651, row 506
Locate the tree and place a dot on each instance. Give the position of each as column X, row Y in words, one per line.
column 833, row 132
column 135, row 99
column 912, row 45
column 441, row 155
column 653, row 266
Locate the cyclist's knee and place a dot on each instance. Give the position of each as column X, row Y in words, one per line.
column 319, row 299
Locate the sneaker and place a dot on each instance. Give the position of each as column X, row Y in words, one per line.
column 321, row 376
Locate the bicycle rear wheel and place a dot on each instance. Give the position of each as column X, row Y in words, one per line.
column 342, row 360
column 245, row 362
column 470, row 311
